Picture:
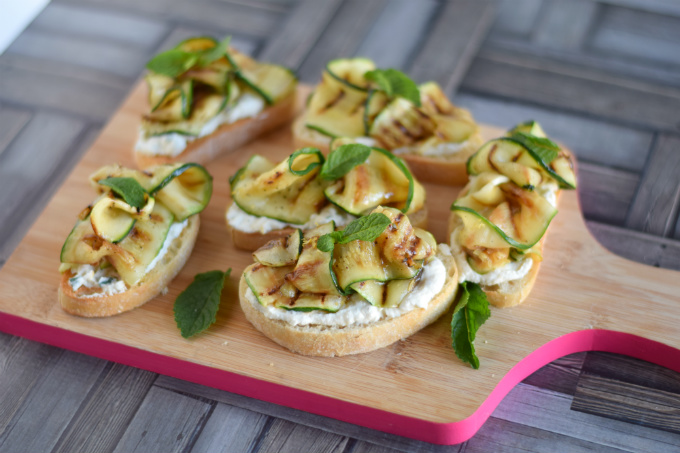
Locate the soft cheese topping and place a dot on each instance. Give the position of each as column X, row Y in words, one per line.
column 440, row 149
column 247, row 106
column 358, row 312
column 242, row 221
column 107, row 279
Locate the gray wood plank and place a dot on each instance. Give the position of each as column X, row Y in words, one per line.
column 108, row 410
column 637, row 246
column 22, row 363
column 230, row 429
column 367, row 447
column 123, row 60
column 670, row 7
column 656, row 204
column 65, row 94
column 99, row 23
column 291, row 41
column 283, row 436
column 638, row 34
column 627, row 402
column 554, row 85
column 341, row 38
column 560, row 375
column 457, row 33
column 166, row 422
column 606, row 193
column 59, row 391
column 592, row 140
column 632, row 371
column 296, row 416
column 12, row 121
column 564, row 25
column 394, row 38
column 549, row 411
column 515, row 18
column 502, row 436
column 228, row 17
column 182, row 32
column 29, row 174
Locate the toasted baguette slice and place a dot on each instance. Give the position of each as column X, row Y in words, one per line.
column 253, row 241
column 328, row 341
column 227, row 137
column 510, row 293
column 449, row 170
column 149, row 287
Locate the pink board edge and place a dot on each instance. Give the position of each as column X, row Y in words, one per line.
column 438, row 433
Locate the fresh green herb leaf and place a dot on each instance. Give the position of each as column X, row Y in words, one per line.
column 310, row 167
column 470, row 313
column 544, row 148
column 343, row 159
column 366, row 228
column 172, row 63
column 128, row 189
column 210, row 55
column 395, row 83
column 196, row 307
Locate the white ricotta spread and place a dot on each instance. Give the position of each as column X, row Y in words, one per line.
column 358, row 312
column 247, row 106
column 107, row 278
column 242, row 221
column 441, row 149
column 548, row 191
column 514, row 270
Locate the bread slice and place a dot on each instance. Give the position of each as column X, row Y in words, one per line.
column 253, row 241
column 149, row 287
column 329, row 341
column 449, row 170
column 227, row 137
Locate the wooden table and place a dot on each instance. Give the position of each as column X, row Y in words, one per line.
column 608, row 86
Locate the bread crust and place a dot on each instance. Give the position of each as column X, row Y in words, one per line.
column 325, row 341
column 253, row 241
column 227, row 137
column 148, row 288
column 448, row 170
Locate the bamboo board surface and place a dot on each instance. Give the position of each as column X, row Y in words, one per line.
column 581, row 287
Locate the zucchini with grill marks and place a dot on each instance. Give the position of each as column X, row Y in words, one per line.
column 175, row 105
column 336, row 109
column 350, row 71
column 281, row 251
column 267, row 190
column 309, row 302
column 383, row 180
column 184, row 188
column 401, row 124
column 272, row 82
column 270, row 286
column 453, row 124
column 206, row 106
column 313, row 272
column 355, row 262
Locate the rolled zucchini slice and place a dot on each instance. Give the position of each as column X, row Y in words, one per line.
column 175, row 104
column 270, row 286
column 350, row 71
column 401, row 124
column 336, row 109
column 313, row 272
column 112, row 219
column 271, row 81
column 206, row 106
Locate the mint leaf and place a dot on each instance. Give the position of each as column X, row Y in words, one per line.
column 196, row 307
column 172, row 63
column 469, row 315
column 128, row 189
column 395, row 83
column 366, row 228
column 210, row 55
column 543, row 148
column 310, row 167
column 343, row 159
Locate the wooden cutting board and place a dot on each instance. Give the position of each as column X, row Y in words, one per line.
column 585, row 299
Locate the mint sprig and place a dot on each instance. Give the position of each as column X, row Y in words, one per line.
column 469, row 315
column 211, row 55
column 311, row 166
column 366, row 228
column 343, row 159
column 196, row 307
column 395, row 83
column 172, row 62
column 543, row 148
column 128, row 189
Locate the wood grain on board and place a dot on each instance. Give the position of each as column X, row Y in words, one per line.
column 392, row 379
